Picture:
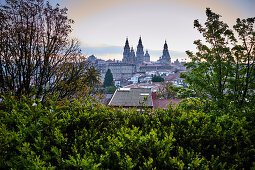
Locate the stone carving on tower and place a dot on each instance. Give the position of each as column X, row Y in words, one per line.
column 165, row 58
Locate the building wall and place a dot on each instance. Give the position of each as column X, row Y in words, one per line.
column 122, row 70
column 155, row 67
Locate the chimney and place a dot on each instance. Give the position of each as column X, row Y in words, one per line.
column 153, row 95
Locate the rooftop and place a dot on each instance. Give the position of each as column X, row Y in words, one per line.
column 163, row 103
column 131, row 97
column 152, row 86
column 172, row 77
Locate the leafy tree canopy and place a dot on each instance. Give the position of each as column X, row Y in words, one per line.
column 169, row 91
column 37, row 56
column 222, row 69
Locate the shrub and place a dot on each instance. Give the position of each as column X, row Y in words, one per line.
column 85, row 134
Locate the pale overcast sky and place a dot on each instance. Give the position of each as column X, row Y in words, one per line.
column 103, row 25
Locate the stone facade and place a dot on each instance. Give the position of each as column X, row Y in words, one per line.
column 154, row 67
column 122, row 70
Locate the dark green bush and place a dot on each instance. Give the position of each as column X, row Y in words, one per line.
column 84, row 134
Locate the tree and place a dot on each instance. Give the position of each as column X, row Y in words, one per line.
column 110, row 89
column 157, row 79
column 92, row 77
column 108, row 79
column 223, row 68
column 169, row 91
column 36, row 53
column 165, row 92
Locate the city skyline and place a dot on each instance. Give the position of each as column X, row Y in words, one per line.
column 104, row 25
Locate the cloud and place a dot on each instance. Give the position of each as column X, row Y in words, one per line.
column 87, row 8
column 101, row 50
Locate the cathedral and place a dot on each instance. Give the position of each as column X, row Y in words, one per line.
column 138, row 58
column 129, row 55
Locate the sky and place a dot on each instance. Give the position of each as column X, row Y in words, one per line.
column 102, row 26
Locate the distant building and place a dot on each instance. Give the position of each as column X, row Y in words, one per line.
column 172, row 77
column 165, row 58
column 176, row 80
column 122, row 70
column 147, row 56
column 132, row 57
column 92, row 59
column 117, row 83
column 176, row 62
column 134, row 79
column 128, row 55
column 154, row 67
column 139, row 52
column 153, row 86
column 163, row 103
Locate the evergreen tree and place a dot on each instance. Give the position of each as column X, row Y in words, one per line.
column 108, row 79
column 157, row 79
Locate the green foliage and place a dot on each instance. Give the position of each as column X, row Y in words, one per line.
column 110, row 89
column 157, row 78
column 92, row 77
column 86, row 135
column 169, row 91
column 37, row 52
column 223, row 68
column 108, row 79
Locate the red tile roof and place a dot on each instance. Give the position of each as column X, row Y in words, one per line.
column 144, row 85
column 172, row 77
column 163, row 103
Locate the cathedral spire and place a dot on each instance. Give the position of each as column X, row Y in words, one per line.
column 140, row 44
column 126, row 44
column 140, row 41
column 126, row 52
column 165, row 46
column 165, row 59
column 140, row 52
column 132, row 56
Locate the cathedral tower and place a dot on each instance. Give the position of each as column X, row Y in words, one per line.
column 126, row 52
column 132, row 56
column 139, row 52
column 165, row 59
column 147, row 56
